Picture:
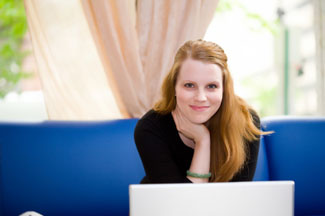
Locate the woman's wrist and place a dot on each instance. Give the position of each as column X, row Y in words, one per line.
column 203, row 136
column 204, row 141
column 198, row 175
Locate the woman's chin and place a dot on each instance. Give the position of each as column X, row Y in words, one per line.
column 198, row 120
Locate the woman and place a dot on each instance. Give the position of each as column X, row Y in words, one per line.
column 199, row 131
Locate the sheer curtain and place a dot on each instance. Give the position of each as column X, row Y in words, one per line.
column 163, row 26
column 135, row 43
column 73, row 78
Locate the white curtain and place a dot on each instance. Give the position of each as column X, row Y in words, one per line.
column 85, row 50
column 73, row 78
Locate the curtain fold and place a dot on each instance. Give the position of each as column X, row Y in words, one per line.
column 73, row 79
column 87, row 49
column 116, row 37
column 163, row 26
column 141, row 55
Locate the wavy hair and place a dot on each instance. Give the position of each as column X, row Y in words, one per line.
column 231, row 127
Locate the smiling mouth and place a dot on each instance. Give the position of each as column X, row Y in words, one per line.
column 199, row 108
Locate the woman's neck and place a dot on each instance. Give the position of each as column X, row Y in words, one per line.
column 187, row 141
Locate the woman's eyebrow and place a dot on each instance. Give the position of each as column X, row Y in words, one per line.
column 217, row 81
column 189, row 81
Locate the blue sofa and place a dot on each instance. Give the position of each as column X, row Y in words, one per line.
column 68, row 168
column 84, row 168
column 296, row 151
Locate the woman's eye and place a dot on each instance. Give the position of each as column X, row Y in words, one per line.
column 188, row 85
column 212, row 86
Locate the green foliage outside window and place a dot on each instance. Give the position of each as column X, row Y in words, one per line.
column 256, row 21
column 263, row 95
column 13, row 27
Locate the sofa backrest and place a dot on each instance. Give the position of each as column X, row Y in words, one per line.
column 296, row 151
column 84, row 168
column 68, row 168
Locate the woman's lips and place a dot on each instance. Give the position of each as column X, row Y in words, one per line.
column 199, row 108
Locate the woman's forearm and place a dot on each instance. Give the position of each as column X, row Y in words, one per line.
column 200, row 161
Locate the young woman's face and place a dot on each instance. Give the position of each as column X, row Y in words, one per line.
column 199, row 90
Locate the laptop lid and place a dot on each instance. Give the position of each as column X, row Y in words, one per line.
column 230, row 199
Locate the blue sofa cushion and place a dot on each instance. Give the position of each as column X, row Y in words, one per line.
column 68, row 168
column 296, row 151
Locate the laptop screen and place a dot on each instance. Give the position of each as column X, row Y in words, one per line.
column 233, row 199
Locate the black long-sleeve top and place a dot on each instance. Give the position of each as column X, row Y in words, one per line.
column 166, row 158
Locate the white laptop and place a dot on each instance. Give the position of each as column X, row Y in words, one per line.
column 269, row 198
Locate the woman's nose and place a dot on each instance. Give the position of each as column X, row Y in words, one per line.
column 201, row 95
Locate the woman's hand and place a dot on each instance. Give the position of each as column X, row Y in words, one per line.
column 199, row 133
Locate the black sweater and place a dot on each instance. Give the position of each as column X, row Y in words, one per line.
column 166, row 158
